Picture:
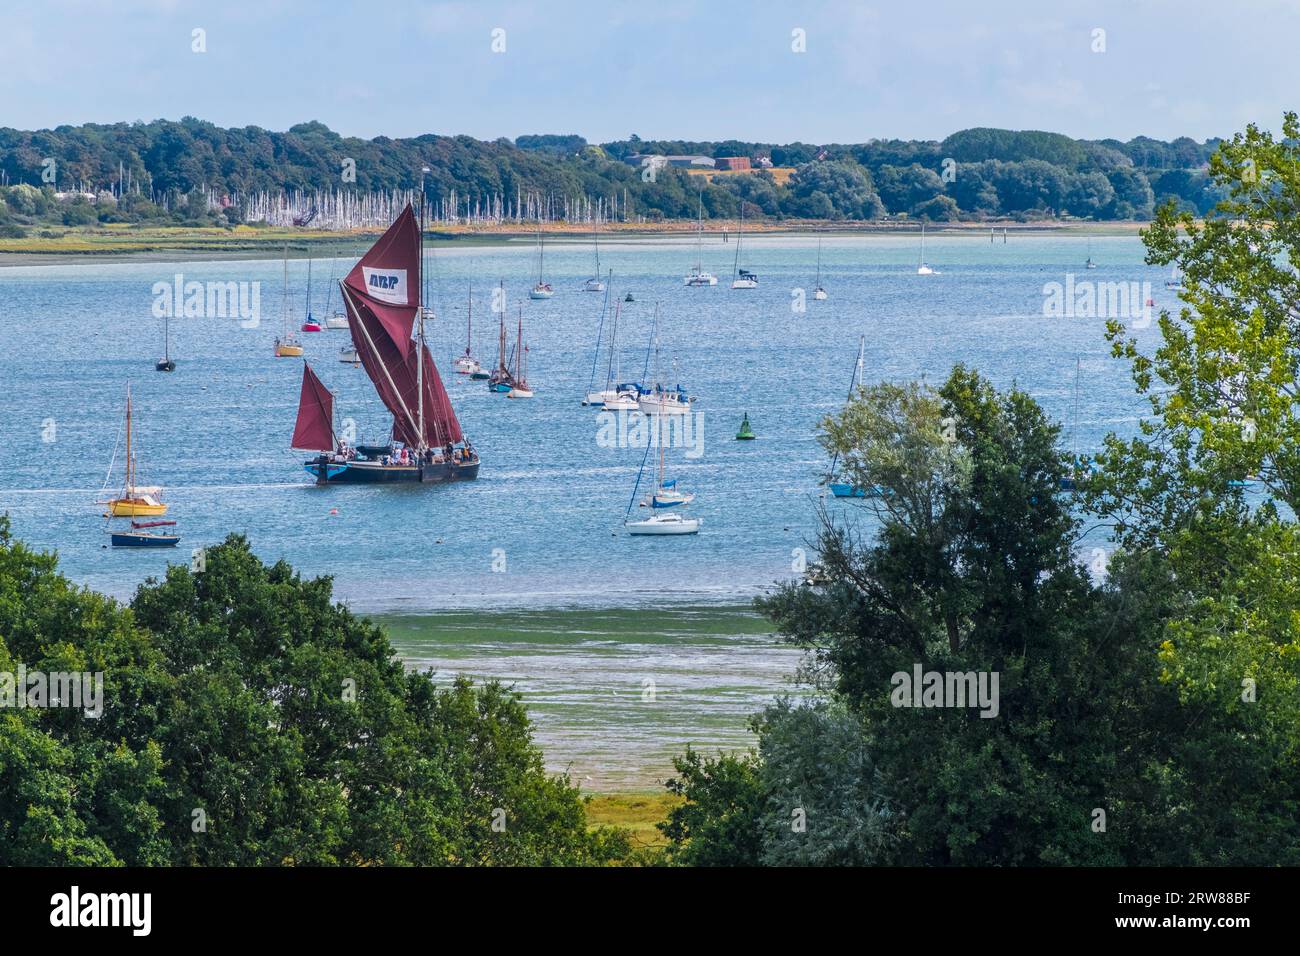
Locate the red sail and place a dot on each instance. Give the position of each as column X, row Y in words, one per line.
column 440, row 425
column 314, row 430
column 386, row 282
column 382, row 297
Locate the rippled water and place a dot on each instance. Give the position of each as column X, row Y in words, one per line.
column 540, row 531
column 548, row 507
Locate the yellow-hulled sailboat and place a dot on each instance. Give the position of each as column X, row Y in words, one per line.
column 136, row 500
column 286, row 346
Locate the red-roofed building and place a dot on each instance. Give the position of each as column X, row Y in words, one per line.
column 732, row 162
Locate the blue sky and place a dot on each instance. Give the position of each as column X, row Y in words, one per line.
column 709, row 70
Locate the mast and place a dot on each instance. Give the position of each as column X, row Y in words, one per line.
column 347, row 297
column 819, row 262
column 469, row 322
column 609, row 372
column 419, row 365
column 309, row 287
column 857, row 374
column 519, row 348
column 130, row 469
column 604, row 307
column 501, row 332
column 284, row 300
column 699, row 235
column 739, row 233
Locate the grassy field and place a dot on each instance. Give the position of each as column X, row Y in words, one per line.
column 636, row 812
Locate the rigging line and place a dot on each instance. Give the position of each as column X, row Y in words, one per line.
column 347, row 298
column 637, row 486
column 595, row 355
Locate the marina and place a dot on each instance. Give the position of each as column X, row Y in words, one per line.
column 553, row 492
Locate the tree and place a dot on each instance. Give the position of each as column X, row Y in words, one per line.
column 251, row 721
column 1119, row 702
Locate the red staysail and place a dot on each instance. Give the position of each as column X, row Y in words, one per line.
column 314, row 430
column 382, row 297
column 386, row 282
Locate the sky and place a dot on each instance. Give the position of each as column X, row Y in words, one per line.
column 662, row 69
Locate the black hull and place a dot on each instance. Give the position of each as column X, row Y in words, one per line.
column 370, row 473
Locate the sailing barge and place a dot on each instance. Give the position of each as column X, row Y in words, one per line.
column 382, row 296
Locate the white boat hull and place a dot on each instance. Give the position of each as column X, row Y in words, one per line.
column 819, row 295
column 466, row 366
column 540, row 293
column 520, row 393
column 336, row 322
column 701, row 279
column 925, row 271
column 623, row 403
column 745, row 284
column 600, row 398
column 657, row 406
column 665, row 524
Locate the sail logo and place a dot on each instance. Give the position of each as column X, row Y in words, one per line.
column 74, row 690
column 208, row 300
column 386, row 285
column 635, row 429
column 1086, row 299
column 75, row 908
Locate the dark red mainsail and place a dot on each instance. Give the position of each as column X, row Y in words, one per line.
column 382, row 297
column 314, row 430
column 386, row 282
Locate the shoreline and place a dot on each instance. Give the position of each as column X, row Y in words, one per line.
column 181, row 244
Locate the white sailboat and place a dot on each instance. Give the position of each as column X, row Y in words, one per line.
column 922, row 269
column 467, row 364
column 520, row 388
column 819, row 293
column 543, row 288
column 596, row 398
column 661, row 399
column 742, row 278
column 697, row 276
column 669, row 522
column 286, row 346
column 595, row 283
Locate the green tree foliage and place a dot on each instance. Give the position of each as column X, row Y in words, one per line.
column 1018, row 174
column 1111, row 731
column 251, row 721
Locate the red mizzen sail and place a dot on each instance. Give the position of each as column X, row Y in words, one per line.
column 382, row 297
column 314, row 430
column 386, row 282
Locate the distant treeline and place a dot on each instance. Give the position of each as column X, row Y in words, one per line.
column 194, row 172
